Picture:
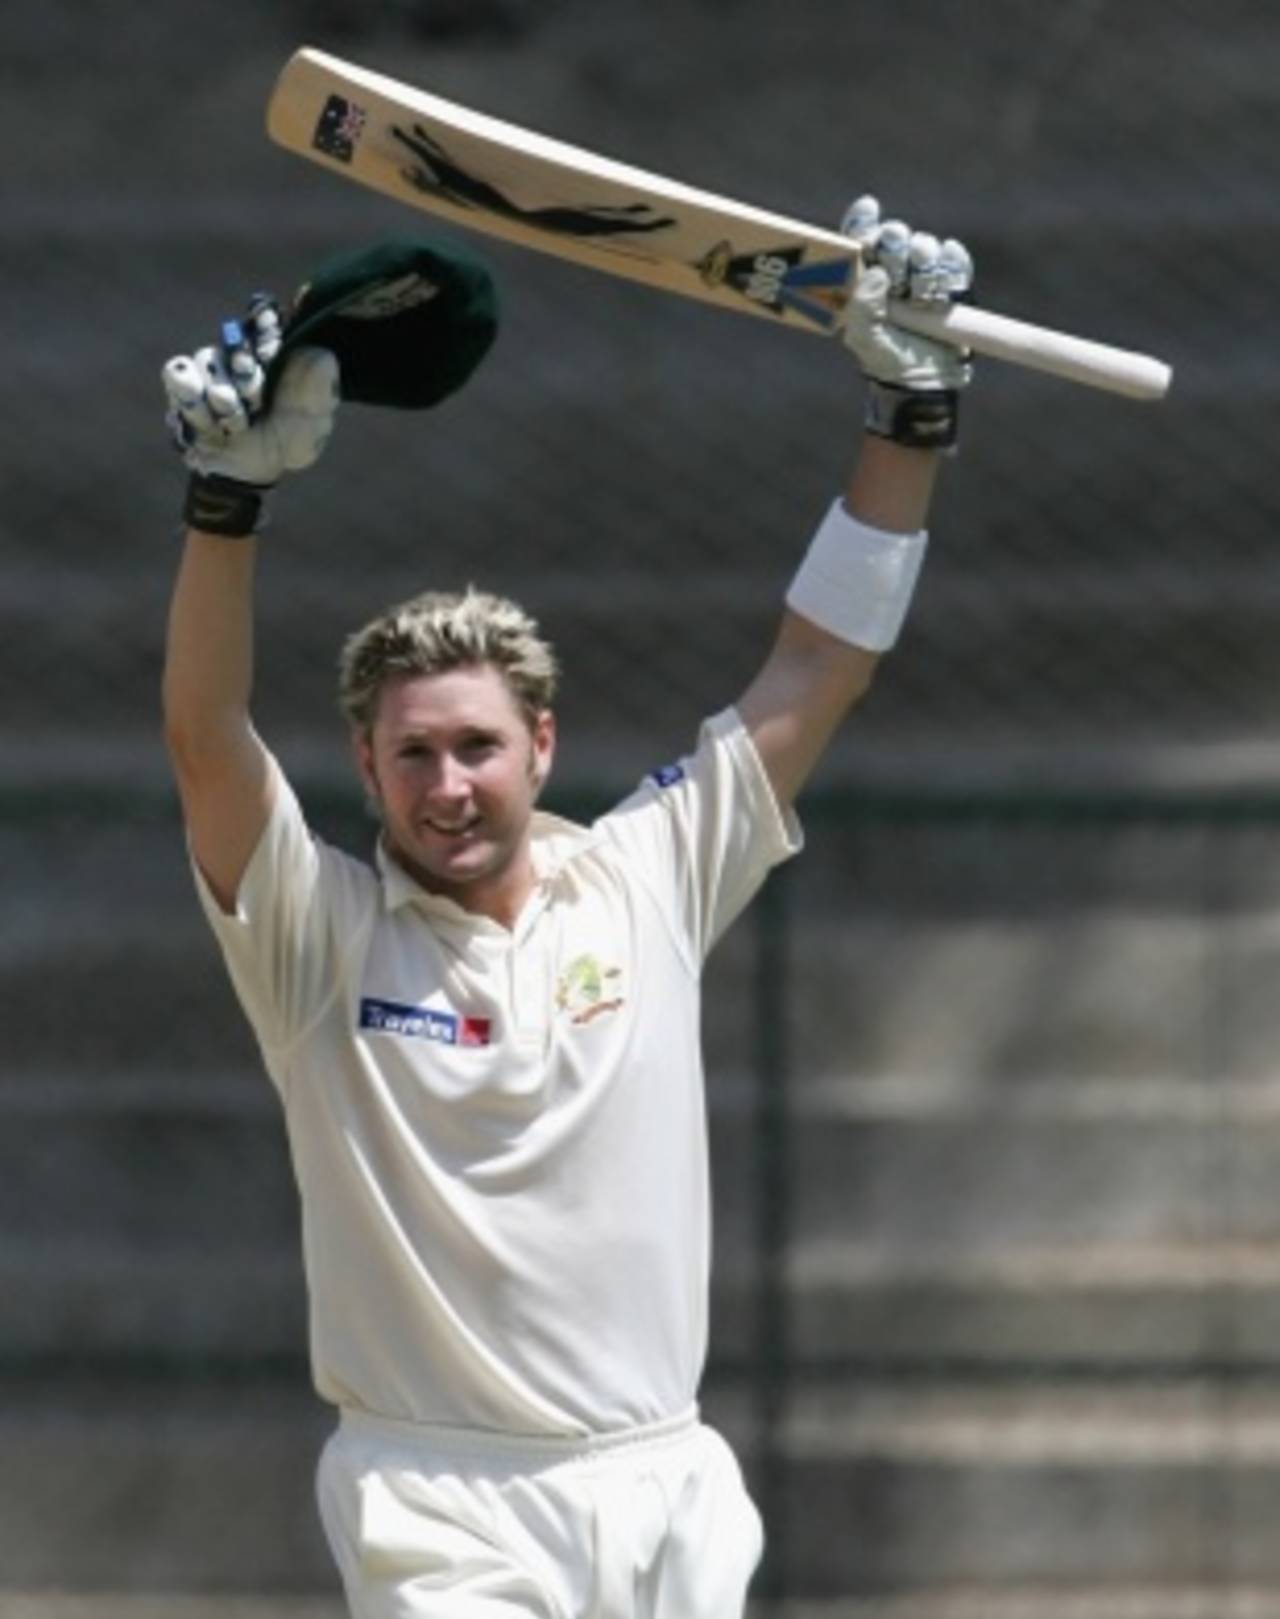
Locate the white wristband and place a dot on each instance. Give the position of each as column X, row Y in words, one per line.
column 856, row 582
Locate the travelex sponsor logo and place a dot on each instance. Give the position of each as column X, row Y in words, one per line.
column 667, row 775
column 423, row 1023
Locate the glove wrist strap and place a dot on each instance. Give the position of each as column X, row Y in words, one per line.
column 222, row 506
column 919, row 418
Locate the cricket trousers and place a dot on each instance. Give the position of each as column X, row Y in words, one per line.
column 444, row 1523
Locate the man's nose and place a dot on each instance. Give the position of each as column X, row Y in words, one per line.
column 449, row 778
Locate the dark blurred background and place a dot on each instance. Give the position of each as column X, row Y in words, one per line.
column 995, row 1098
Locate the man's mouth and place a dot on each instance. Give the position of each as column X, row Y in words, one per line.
column 452, row 829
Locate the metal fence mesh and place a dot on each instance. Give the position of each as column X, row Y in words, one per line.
column 994, row 1090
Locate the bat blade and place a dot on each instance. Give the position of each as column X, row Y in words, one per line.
column 494, row 177
column 486, row 175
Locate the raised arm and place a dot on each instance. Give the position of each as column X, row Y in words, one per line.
column 846, row 604
column 218, row 760
column 236, row 453
column 813, row 677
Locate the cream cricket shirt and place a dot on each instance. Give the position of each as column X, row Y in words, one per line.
column 499, row 1136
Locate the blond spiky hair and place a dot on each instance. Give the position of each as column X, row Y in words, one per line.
column 438, row 631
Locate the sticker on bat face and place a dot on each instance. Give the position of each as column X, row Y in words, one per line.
column 339, row 128
column 439, row 174
column 778, row 279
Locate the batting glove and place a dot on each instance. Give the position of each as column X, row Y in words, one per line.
column 234, row 445
column 913, row 383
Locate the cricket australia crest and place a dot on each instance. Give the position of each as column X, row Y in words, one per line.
column 585, row 990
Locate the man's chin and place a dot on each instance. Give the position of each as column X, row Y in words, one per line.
column 443, row 869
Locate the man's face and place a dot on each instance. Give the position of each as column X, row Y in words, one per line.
column 455, row 770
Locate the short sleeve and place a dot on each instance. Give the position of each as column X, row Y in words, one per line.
column 705, row 831
column 280, row 941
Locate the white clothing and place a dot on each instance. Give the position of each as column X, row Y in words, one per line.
column 442, row 1524
column 499, row 1136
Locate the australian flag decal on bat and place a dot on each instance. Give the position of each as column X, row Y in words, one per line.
column 339, row 128
column 777, row 279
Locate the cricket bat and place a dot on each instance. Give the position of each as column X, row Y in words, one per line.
column 490, row 176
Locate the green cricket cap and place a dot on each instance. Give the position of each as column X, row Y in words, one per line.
column 409, row 321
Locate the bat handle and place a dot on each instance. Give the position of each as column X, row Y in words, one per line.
column 1096, row 365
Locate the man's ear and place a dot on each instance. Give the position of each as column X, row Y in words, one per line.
column 362, row 752
column 544, row 748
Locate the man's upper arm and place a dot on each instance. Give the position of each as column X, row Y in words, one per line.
column 807, row 685
column 223, row 770
column 226, row 797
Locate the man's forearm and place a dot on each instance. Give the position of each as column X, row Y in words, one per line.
column 891, row 487
column 208, row 671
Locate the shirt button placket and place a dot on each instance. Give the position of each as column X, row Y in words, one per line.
column 528, row 993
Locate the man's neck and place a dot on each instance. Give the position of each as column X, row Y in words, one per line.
column 500, row 898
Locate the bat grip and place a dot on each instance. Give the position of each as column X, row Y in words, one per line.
column 1096, row 365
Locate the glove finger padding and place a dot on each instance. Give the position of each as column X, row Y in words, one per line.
column 288, row 438
column 956, row 263
column 224, row 390
column 889, row 353
column 262, row 322
column 216, row 392
column 230, row 476
column 203, row 402
column 188, row 415
column 861, row 220
column 903, row 264
column 913, row 381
